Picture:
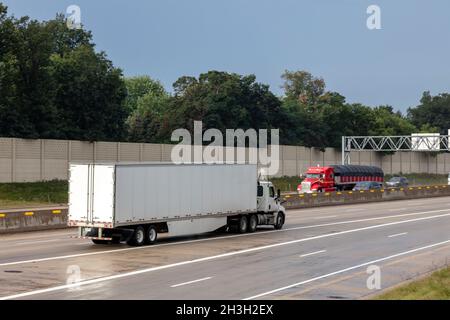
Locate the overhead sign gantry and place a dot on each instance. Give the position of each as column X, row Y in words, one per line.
column 420, row 142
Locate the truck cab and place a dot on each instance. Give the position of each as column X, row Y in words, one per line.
column 270, row 210
column 338, row 177
column 317, row 179
column 267, row 198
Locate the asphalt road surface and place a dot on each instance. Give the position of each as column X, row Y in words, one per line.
column 341, row 252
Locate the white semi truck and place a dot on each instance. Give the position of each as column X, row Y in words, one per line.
column 134, row 202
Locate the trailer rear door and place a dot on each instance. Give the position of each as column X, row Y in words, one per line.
column 103, row 193
column 78, row 193
column 91, row 195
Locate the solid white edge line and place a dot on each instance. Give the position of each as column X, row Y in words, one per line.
column 223, row 255
column 397, row 234
column 189, row 282
column 312, row 253
column 76, row 255
column 346, row 269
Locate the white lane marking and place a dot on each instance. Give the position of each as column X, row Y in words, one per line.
column 346, row 269
column 189, row 282
column 397, row 234
column 216, row 238
column 312, row 253
column 219, row 256
column 325, row 217
column 397, row 209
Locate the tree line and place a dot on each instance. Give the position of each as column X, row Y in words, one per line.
column 54, row 85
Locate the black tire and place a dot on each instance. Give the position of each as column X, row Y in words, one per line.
column 151, row 235
column 252, row 223
column 99, row 241
column 280, row 221
column 137, row 238
column 243, row 224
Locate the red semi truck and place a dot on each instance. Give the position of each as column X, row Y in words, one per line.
column 338, row 177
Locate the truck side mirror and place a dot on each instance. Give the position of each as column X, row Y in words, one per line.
column 278, row 193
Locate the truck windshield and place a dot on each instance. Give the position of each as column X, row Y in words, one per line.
column 313, row 175
column 272, row 192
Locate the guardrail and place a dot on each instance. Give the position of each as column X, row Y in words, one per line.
column 309, row 200
column 32, row 219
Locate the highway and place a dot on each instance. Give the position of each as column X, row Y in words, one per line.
column 321, row 253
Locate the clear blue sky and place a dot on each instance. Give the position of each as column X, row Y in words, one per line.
column 170, row 38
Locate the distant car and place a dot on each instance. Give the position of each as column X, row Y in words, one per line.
column 397, row 182
column 366, row 186
column 449, row 179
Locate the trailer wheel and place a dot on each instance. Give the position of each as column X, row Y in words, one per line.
column 243, row 224
column 280, row 221
column 151, row 235
column 137, row 238
column 252, row 223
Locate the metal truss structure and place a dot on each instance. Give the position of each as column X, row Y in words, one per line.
column 418, row 143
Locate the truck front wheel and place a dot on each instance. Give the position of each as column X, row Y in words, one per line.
column 137, row 238
column 243, row 223
column 152, row 235
column 280, row 221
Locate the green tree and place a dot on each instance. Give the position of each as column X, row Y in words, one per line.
column 320, row 118
column 389, row 123
column 27, row 109
column 10, row 124
column 433, row 111
column 150, row 104
column 138, row 87
column 303, row 86
column 54, row 85
column 427, row 128
column 89, row 93
column 223, row 100
column 301, row 126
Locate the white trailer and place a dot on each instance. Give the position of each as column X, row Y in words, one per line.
column 134, row 202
